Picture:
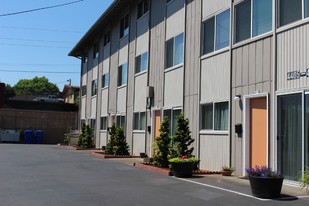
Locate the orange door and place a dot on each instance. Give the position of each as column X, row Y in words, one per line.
column 258, row 132
column 157, row 123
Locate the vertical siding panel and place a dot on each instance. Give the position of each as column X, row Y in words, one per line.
column 252, row 58
column 245, row 65
column 266, row 61
column 258, row 61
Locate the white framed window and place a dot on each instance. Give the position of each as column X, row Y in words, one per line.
column 215, row 116
column 107, row 38
column 84, row 90
column 103, row 123
column 291, row 11
column 216, row 32
column 139, row 121
column 94, row 87
column 121, row 121
column 124, row 26
column 141, row 63
column 174, row 51
column 105, row 80
column 122, row 75
column 96, row 50
column 252, row 18
column 142, row 8
column 172, row 115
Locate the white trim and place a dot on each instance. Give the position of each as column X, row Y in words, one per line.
column 246, row 129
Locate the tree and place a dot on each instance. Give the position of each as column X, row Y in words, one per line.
column 162, row 145
column 37, row 85
column 9, row 92
column 117, row 144
column 182, row 138
column 85, row 138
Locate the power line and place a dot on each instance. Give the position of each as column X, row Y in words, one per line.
column 39, row 72
column 42, row 65
column 39, row 46
column 40, row 29
column 39, row 9
column 34, row 40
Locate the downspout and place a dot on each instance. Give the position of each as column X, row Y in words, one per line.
column 231, row 78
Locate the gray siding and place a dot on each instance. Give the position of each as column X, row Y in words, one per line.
column 138, row 143
column 140, row 92
column 293, row 55
column 173, row 90
column 211, row 7
column 103, row 139
column 175, row 23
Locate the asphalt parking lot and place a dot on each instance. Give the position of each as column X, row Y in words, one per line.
column 38, row 175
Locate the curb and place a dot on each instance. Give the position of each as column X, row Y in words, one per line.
column 150, row 168
column 107, row 156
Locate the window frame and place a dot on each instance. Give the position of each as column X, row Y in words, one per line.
column 84, row 90
column 213, row 104
column 251, row 22
column 303, row 14
column 215, row 17
column 173, row 41
column 121, row 80
column 139, row 63
column 105, row 80
column 172, row 111
column 121, row 121
column 137, row 121
column 96, row 50
column 94, row 87
column 124, row 26
column 107, row 38
column 144, row 11
column 103, row 123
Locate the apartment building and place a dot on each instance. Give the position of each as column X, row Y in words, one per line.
column 238, row 69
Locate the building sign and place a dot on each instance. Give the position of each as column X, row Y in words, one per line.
column 297, row 74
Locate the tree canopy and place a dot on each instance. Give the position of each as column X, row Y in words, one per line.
column 35, row 86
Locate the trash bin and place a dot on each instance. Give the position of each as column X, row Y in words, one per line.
column 28, row 136
column 38, row 136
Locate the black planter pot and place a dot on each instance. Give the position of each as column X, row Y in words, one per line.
column 266, row 187
column 182, row 169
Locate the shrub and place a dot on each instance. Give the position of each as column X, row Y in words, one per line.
column 162, row 145
column 66, row 139
column 304, row 181
column 85, row 138
column 117, row 144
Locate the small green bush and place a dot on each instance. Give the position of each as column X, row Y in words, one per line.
column 66, row 139
column 117, row 144
column 304, row 181
column 85, row 138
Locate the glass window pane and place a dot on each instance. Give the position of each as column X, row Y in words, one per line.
column 307, row 130
column 223, row 30
column 290, row 11
column 207, row 116
column 124, row 74
column 262, row 17
column 144, row 61
column 137, row 64
column 106, row 80
column 306, row 8
column 178, row 59
column 169, row 53
column 135, row 121
column 243, row 21
column 142, row 123
column 209, row 35
column 176, row 113
column 221, row 116
column 123, row 122
column 168, row 113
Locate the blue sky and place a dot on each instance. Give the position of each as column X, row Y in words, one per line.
column 41, row 40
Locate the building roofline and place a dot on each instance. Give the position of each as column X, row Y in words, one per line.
column 112, row 11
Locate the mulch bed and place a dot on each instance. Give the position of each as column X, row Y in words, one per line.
column 71, row 147
column 168, row 172
column 106, row 156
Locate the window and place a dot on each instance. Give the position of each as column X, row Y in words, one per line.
column 291, row 11
column 216, row 32
column 121, row 121
column 253, row 18
column 139, row 122
column 107, row 38
column 105, row 78
column 82, row 122
column 122, row 75
column 215, row 116
column 85, row 58
column 141, row 63
column 167, row 1
column 94, row 87
column 306, row 4
column 93, row 124
column 172, row 114
column 96, row 50
column 174, row 51
column 124, row 26
column 84, row 90
column 103, row 125
column 142, row 8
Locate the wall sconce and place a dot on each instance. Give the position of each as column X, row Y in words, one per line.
column 237, row 97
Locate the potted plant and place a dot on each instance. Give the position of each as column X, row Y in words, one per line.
column 264, row 182
column 183, row 166
column 181, row 160
column 304, row 180
column 227, row 171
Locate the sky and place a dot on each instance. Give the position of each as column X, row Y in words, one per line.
column 37, row 43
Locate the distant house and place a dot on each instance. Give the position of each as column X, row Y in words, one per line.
column 69, row 93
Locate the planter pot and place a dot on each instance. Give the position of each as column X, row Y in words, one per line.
column 226, row 173
column 266, row 187
column 182, row 169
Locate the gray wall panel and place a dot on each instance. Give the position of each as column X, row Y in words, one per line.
column 140, row 92
column 103, row 139
column 104, row 102
column 139, row 143
column 121, row 100
column 173, row 90
column 175, row 23
column 212, row 6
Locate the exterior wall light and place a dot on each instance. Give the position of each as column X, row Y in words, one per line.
column 237, row 97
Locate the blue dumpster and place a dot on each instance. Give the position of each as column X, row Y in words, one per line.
column 38, row 136
column 28, row 136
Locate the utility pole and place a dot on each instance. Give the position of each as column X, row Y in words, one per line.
column 69, row 80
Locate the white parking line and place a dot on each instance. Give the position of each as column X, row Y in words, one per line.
column 223, row 189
